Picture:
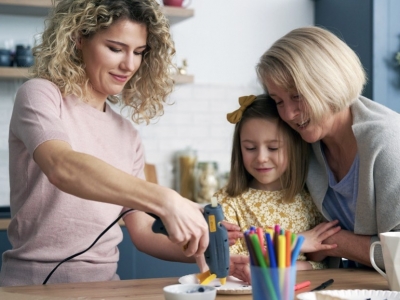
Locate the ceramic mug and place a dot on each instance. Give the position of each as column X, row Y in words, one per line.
column 390, row 243
column 177, row 3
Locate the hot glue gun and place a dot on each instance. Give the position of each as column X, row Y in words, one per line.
column 217, row 253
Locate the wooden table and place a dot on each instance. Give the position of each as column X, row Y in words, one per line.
column 153, row 288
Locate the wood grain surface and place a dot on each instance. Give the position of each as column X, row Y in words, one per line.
column 153, row 288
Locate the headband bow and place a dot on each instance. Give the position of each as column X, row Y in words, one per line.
column 244, row 102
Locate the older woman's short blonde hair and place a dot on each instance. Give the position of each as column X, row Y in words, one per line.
column 58, row 60
column 325, row 71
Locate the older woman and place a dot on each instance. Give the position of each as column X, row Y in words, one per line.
column 316, row 81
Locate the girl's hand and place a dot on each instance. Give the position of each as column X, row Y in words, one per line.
column 303, row 265
column 313, row 239
column 234, row 232
column 240, row 268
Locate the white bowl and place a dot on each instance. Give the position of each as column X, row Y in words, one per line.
column 189, row 292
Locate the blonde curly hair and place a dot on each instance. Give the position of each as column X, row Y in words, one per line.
column 58, row 60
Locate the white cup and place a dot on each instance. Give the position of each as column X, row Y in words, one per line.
column 390, row 243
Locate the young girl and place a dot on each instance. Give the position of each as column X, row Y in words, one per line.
column 266, row 184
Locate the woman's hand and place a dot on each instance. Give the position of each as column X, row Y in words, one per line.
column 234, row 232
column 185, row 224
column 201, row 263
column 313, row 238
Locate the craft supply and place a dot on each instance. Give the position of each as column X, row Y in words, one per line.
column 273, row 258
column 296, row 249
column 271, row 251
column 324, row 285
column 302, row 285
column 260, row 233
column 288, row 236
column 269, row 287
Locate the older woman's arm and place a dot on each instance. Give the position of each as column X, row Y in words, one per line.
column 349, row 245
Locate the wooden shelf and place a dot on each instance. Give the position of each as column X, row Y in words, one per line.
column 41, row 8
column 13, row 73
column 35, row 3
column 180, row 79
column 171, row 11
column 22, row 73
column 177, row 14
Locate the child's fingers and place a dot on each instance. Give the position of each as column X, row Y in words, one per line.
column 326, row 247
column 323, row 236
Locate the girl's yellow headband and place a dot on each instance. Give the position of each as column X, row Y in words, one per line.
column 244, row 102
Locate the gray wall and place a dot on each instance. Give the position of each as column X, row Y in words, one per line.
column 372, row 29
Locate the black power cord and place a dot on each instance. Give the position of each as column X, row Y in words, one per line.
column 95, row 241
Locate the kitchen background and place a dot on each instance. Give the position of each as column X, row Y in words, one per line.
column 221, row 44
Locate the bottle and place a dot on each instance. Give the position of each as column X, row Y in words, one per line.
column 185, row 164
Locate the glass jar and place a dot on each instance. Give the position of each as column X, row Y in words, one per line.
column 184, row 177
column 206, row 181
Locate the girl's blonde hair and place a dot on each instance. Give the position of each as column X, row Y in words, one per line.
column 58, row 60
column 318, row 65
column 293, row 179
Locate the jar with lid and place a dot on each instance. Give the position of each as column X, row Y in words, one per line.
column 185, row 162
column 206, row 184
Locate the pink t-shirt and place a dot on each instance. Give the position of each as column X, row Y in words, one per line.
column 47, row 224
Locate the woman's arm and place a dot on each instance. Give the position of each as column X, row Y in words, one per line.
column 90, row 178
column 145, row 240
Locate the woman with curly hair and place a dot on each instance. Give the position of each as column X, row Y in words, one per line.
column 75, row 164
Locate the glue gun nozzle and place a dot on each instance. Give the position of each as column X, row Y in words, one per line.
column 206, row 277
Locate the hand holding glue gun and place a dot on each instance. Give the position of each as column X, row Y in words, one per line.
column 217, row 253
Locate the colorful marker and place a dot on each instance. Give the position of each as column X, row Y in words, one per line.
column 302, row 285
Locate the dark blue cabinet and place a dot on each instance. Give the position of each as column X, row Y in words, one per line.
column 372, row 29
column 133, row 264
column 4, row 243
column 136, row 265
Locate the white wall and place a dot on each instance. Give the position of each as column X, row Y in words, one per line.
column 225, row 38
column 222, row 44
